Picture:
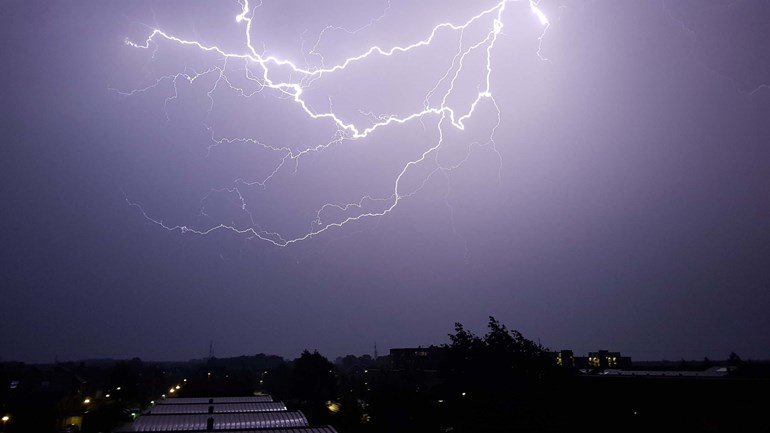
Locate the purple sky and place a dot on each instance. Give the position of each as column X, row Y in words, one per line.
column 614, row 193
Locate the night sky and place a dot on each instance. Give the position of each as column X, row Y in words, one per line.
column 612, row 193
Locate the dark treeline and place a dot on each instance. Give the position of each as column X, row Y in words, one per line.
column 496, row 382
column 502, row 381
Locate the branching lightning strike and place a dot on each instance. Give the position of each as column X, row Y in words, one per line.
column 294, row 90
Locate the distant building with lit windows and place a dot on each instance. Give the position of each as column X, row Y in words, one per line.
column 565, row 358
column 604, row 359
column 417, row 358
column 599, row 360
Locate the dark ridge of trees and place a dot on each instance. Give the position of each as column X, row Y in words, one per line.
column 254, row 363
column 352, row 364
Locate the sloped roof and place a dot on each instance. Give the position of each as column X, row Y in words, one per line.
column 216, row 400
column 169, row 409
column 322, row 429
column 223, row 421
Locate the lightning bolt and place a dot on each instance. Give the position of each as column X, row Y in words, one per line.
column 249, row 73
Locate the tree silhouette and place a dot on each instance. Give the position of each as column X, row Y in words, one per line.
column 313, row 379
column 492, row 381
column 500, row 352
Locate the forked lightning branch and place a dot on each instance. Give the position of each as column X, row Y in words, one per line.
column 289, row 82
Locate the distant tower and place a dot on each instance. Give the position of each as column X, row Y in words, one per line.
column 375, row 350
column 211, row 349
